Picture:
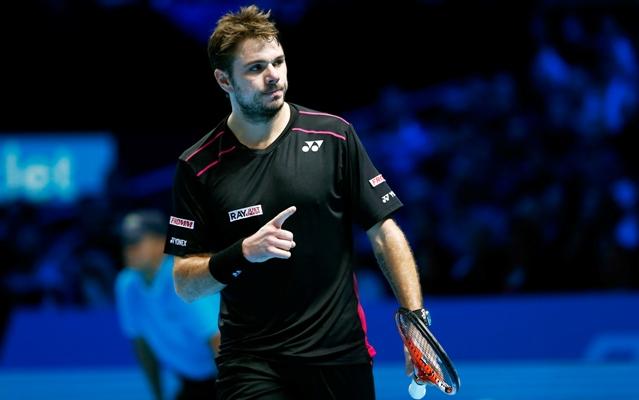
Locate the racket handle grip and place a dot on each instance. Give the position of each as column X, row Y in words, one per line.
column 416, row 390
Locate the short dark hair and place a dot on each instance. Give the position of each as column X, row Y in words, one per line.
column 233, row 28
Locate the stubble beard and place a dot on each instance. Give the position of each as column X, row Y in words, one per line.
column 256, row 111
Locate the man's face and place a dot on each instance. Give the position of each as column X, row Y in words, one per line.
column 259, row 79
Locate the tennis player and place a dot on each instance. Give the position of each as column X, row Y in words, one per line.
column 263, row 212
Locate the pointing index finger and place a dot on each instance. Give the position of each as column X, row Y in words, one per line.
column 279, row 220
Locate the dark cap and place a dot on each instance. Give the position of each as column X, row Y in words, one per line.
column 138, row 224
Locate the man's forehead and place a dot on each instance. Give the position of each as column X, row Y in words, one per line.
column 253, row 48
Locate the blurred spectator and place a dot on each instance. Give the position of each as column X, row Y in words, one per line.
column 168, row 334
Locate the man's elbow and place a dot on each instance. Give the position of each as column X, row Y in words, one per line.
column 180, row 279
column 382, row 229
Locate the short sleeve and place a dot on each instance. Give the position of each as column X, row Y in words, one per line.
column 372, row 199
column 126, row 304
column 187, row 232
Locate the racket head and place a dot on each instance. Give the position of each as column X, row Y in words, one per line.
column 432, row 364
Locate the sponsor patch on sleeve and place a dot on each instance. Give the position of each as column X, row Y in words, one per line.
column 377, row 180
column 182, row 223
column 177, row 241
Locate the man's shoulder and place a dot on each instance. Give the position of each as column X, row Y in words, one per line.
column 312, row 118
column 204, row 142
column 207, row 151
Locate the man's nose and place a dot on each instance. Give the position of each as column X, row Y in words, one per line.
column 272, row 75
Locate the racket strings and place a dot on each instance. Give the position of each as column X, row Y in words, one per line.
column 429, row 365
column 425, row 348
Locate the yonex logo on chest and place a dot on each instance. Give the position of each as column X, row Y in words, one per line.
column 313, row 145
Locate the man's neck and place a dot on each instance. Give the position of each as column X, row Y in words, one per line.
column 259, row 135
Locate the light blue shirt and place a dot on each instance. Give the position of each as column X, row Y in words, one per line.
column 179, row 333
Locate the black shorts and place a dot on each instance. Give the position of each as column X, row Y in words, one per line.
column 246, row 377
column 204, row 389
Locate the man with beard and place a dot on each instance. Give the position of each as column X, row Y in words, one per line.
column 290, row 319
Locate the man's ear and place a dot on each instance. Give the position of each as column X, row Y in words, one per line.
column 223, row 80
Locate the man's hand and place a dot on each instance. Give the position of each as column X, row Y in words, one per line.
column 271, row 241
column 410, row 369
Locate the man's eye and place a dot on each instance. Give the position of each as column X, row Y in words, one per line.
column 255, row 68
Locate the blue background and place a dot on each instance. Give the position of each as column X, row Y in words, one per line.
column 508, row 130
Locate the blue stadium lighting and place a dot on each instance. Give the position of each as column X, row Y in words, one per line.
column 54, row 168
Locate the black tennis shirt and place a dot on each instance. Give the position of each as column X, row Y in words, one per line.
column 305, row 308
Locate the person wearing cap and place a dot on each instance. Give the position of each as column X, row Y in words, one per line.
column 170, row 336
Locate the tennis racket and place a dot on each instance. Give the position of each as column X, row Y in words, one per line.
column 431, row 363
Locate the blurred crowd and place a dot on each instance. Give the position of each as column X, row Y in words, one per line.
column 526, row 184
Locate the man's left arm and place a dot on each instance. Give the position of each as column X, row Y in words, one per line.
column 396, row 261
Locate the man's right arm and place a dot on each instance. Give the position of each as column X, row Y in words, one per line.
column 192, row 278
column 193, row 274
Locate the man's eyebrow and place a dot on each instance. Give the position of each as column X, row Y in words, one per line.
column 258, row 61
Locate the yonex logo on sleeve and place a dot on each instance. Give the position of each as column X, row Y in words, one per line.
column 179, row 242
column 245, row 212
column 313, row 145
column 182, row 223
column 377, row 180
column 386, row 198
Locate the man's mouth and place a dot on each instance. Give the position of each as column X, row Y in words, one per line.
column 273, row 91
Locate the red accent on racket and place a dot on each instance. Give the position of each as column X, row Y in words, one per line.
column 430, row 361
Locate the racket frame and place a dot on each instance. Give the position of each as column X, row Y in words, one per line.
column 447, row 367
